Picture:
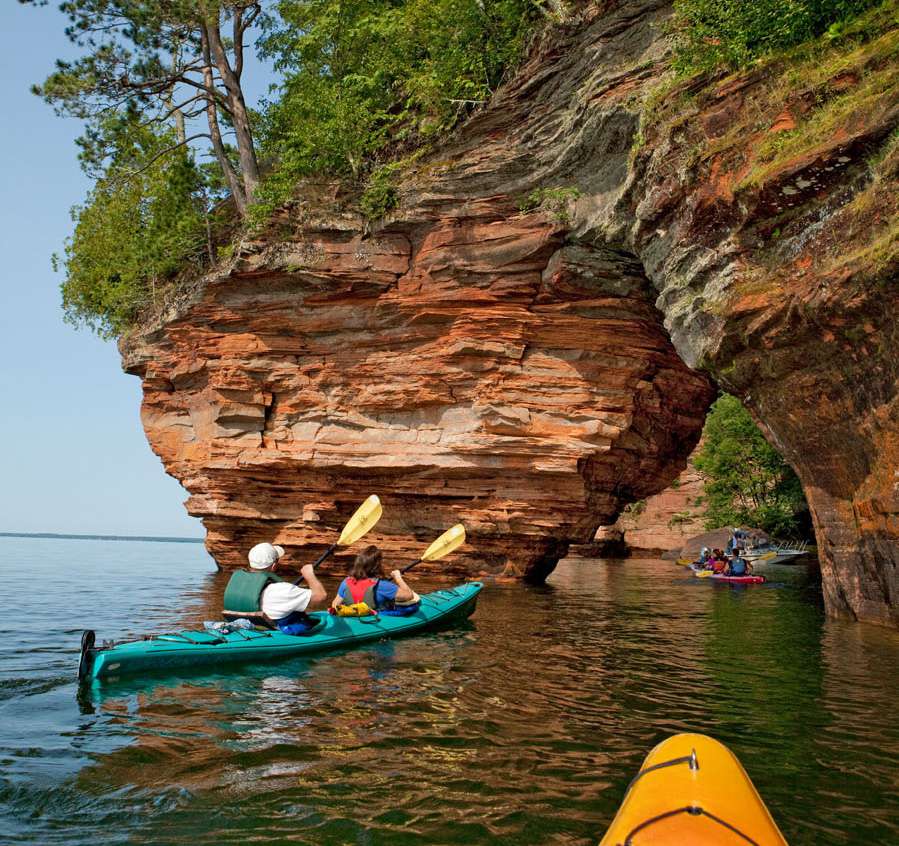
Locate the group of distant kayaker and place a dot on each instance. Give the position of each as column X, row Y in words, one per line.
column 720, row 563
column 263, row 597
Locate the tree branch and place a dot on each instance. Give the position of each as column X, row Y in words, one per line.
column 170, row 111
column 231, row 177
column 132, row 173
column 241, row 25
column 238, row 42
column 210, row 90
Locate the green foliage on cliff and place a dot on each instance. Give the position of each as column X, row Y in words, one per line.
column 555, row 201
column 712, row 33
column 380, row 194
column 362, row 76
column 747, row 482
column 144, row 219
column 362, row 84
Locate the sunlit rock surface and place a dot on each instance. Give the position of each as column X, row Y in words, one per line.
column 476, row 370
column 660, row 523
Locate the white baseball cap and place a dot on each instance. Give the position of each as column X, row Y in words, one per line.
column 263, row 555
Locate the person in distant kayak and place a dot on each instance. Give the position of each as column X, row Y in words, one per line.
column 738, row 566
column 259, row 595
column 369, row 583
column 717, row 562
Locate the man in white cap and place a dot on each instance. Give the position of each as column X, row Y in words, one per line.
column 262, row 596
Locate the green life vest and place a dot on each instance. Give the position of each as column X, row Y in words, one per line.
column 244, row 592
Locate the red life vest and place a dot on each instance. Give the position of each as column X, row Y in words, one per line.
column 363, row 590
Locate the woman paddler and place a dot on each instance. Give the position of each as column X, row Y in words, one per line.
column 261, row 596
column 368, row 583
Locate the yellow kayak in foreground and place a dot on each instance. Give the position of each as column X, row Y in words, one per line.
column 692, row 791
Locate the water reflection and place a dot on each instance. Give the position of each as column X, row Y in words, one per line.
column 523, row 725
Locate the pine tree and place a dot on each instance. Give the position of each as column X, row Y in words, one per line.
column 166, row 62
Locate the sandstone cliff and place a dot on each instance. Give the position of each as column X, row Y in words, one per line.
column 660, row 523
column 473, row 369
column 529, row 372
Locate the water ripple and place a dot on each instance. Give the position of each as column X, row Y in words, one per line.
column 522, row 726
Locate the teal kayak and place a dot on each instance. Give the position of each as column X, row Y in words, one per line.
column 203, row 649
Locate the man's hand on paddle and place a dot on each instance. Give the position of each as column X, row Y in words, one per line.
column 318, row 591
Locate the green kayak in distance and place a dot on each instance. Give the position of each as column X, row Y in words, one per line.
column 209, row 650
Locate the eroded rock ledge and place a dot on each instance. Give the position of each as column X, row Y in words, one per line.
column 472, row 362
column 477, row 369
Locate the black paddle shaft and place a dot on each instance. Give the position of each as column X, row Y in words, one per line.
column 410, row 566
column 326, row 554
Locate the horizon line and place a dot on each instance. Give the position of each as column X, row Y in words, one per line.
column 68, row 536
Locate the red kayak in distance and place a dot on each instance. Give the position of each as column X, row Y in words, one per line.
column 738, row 580
column 720, row 577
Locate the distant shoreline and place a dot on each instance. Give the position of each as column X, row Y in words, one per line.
column 60, row 536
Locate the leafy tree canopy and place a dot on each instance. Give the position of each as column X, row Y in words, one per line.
column 360, row 76
column 747, row 482
column 159, row 83
column 733, row 33
column 166, row 61
column 362, row 83
column 139, row 225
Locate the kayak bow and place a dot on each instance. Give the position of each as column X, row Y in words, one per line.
column 209, row 650
column 692, row 790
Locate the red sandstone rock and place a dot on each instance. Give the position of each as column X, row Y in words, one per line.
column 472, row 363
column 773, row 278
column 784, row 122
column 476, row 370
column 663, row 522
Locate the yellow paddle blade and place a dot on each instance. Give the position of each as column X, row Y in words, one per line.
column 451, row 539
column 702, row 574
column 683, row 562
column 361, row 522
column 767, row 555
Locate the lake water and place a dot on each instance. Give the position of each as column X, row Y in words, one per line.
column 522, row 726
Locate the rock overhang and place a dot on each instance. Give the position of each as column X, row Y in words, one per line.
column 475, row 370
column 784, row 296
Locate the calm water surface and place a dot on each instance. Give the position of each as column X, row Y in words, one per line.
column 523, row 726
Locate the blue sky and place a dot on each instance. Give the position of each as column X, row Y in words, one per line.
column 73, row 456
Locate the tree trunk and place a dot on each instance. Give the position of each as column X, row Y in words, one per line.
column 180, row 130
column 249, row 166
column 238, row 191
column 210, row 247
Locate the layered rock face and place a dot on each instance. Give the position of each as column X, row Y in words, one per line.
column 766, row 214
column 477, row 369
column 660, row 523
column 470, row 361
